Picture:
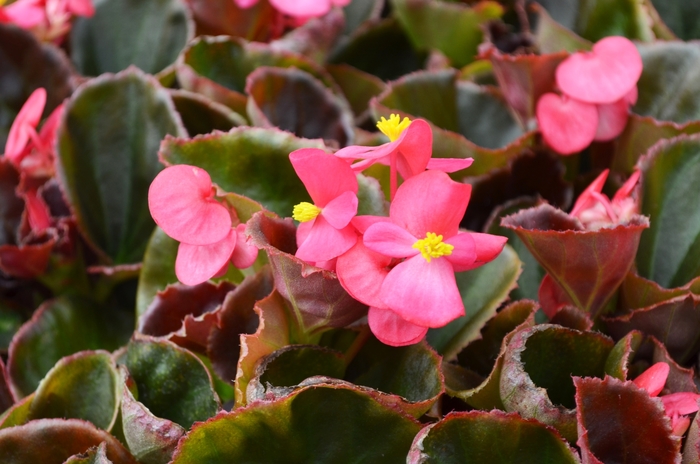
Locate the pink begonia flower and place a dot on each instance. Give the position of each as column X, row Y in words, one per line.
column 325, row 231
column 408, row 152
column 424, row 229
column 567, row 125
column 676, row 405
column 299, row 8
column 595, row 210
column 48, row 19
column 181, row 201
column 24, row 125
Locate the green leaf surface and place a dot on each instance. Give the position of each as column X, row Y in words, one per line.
column 96, row 455
column 551, row 35
column 680, row 16
column 483, row 290
column 454, row 29
column 52, row 441
column 18, row 414
column 320, row 424
column 146, row 34
column 249, row 161
column 59, row 328
column 158, row 270
column 597, row 19
column 223, row 17
column 171, row 382
column 109, row 158
column 494, row 437
column 669, row 252
column 619, row 359
column 358, row 86
column 201, row 115
column 81, row 386
column 315, row 38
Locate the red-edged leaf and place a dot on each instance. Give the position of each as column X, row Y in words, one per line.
column 589, row 265
column 224, row 17
column 7, row 399
column 619, row 422
column 620, row 357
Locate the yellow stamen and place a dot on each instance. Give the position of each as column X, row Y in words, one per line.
column 393, row 127
column 305, row 211
column 432, row 246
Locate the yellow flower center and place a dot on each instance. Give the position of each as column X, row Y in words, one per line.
column 393, row 127
column 305, row 211
column 432, row 246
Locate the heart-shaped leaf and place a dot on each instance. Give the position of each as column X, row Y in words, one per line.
column 171, row 382
column 482, row 290
column 668, row 251
column 122, row 33
column 497, row 437
column 537, row 369
column 611, row 412
column 316, row 423
column 109, row 158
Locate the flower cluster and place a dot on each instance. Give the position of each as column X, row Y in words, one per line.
column 595, row 210
column 597, row 90
column 49, row 20
column 402, row 266
column 302, row 9
column 181, row 201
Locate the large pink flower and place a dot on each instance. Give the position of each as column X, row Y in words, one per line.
column 325, row 231
column 181, row 201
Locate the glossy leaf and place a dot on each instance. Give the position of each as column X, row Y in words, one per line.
column 201, row 115
column 7, row 399
column 158, row 270
column 82, row 386
column 224, row 17
column 109, row 158
column 60, row 328
column 537, row 369
column 602, row 18
column 358, row 87
column 249, row 161
column 453, row 29
column 483, row 290
column 319, row 424
column 555, row 34
column 52, row 441
column 669, row 250
column 478, row 436
column 294, row 101
column 314, row 39
column 95, row 455
column 612, row 415
column 26, row 65
column 678, row 16
column 619, row 359
column 588, row 265
column 637, row 292
column 122, row 33
column 171, row 382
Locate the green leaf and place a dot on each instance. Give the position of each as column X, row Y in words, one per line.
column 147, row 34
column 25, row 65
column 551, row 36
column 223, row 17
column 201, row 115
column 680, row 16
column 483, row 290
column 668, row 88
column 320, row 424
column 315, row 38
column 249, row 161
column 18, row 414
column 52, row 441
column 620, row 357
column 171, row 382
column 358, row 87
column 453, row 28
column 81, row 386
column 494, row 437
column 96, row 455
column 59, row 328
column 669, row 252
column 597, row 19
column 109, row 158
column 158, row 270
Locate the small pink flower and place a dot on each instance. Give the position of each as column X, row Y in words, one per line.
column 48, row 19
column 595, row 210
column 24, row 126
column 298, row 8
column 325, row 231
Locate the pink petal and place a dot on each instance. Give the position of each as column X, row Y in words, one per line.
column 324, row 175
column 4, row 18
column 391, row 329
column 626, row 190
column 81, row 8
column 341, row 2
column 631, row 96
column 302, row 8
column 354, row 152
column 679, row 424
column 430, row 202
column 488, row 247
column 26, row 121
column 198, row 263
column 680, row 403
column 324, row 242
column 612, row 119
column 245, row 253
column 181, row 203
column 362, row 223
column 567, row 125
column 37, row 211
column 463, row 255
column 26, row 14
column 587, row 199
column 245, row 3
column 654, row 378
column 603, row 75
column 339, row 211
column 424, row 293
column 50, row 126
column 449, row 164
column 415, row 147
column 390, row 240
column 361, row 272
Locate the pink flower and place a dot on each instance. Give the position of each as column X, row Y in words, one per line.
column 408, row 152
column 299, row 8
column 676, row 405
column 181, row 201
column 48, row 19
column 423, row 237
column 595, row 210
column 325, row 231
